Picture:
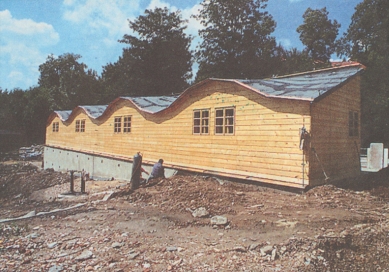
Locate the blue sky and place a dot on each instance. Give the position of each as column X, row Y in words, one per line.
column 30, row 30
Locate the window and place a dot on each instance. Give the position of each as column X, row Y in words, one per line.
column 82, row 129
column 77, row 125
column 55, row 126
column 224, row 121
column 127, row 124
column 353, row 123
column 118, row 124
column 80, row 125
column 201, row 122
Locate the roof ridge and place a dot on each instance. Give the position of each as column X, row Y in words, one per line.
column 320, row 70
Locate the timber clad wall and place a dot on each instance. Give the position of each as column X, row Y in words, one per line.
column 265, row 143
column 337, row 151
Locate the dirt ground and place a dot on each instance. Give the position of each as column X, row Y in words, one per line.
column 189, row 222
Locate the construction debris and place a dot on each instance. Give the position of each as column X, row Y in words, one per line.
column 112, row 228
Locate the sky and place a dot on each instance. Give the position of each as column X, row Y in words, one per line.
column 31, row 30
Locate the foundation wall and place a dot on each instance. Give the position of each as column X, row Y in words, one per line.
column 99, row 167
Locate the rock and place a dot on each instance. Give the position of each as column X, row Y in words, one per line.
column 32, row 235
column 200, row 212
column 240, row 249
column 266, row 250
column 86, row 254
column 108, row 195
column 52, row 245
column 274, row 254
column 283, row 250
column 117, row 245
column 253, row 246
column 171, row 249
column 132, row 256
column 219, row 220
column 56, row 268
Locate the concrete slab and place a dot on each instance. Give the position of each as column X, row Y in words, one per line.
column 99, row 167
column 375, row 156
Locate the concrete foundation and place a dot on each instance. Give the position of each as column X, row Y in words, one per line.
column 98, row 167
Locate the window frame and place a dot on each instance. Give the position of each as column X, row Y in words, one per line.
column 127, row 123
column 55, row 126
column 80, row 125
column 200, row 125
column 226, row 119
column 117, row 124
column 353, row 123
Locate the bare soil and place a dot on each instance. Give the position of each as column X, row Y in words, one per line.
column 335, row 227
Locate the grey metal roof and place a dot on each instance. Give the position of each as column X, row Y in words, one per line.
column 153, row 104
column 306, row 85
column 63, row 115
column 95, row 111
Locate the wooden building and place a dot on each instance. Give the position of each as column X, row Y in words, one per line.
column 295, row 130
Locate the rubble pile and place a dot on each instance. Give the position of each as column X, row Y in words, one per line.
column 190, row 223
column 31, row 152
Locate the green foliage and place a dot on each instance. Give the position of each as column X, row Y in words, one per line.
column 158, row 60
column 236, row 40
column 318, row 34
column 68, row 82
column 295, row 61
column 367, row 41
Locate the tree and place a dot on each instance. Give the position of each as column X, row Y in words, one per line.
column 158, row 60
column 69, row 82
column 295, row 61
column 367, row 41
column 318, row 34
column 236, row 39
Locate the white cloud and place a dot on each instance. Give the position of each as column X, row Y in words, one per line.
column 22, row 44
column 105, row 18
column 26, row 29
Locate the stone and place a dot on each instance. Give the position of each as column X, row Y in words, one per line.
column 274, row 254
column 219, row 220
column 86, row 254
column 117, row 245
column 171, row 248
column 56, row 268
column 132, row 256
column 200, row 212
column 253, row 246
column 266, row 250
column 240, row 249
column 283, row 250
column 108, row 195
column 32, row 235
column 52, row 245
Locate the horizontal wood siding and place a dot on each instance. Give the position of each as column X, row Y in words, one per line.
column 265, row 142
column 337, row 151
